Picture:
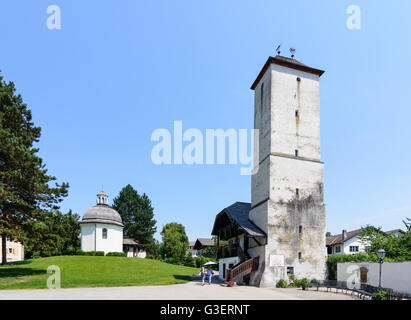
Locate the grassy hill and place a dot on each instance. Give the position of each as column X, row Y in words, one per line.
column 89, row 271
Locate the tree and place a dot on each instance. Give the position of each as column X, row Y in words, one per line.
column 60, row 236
column 175, row 242
column 328, row 234
column 396, row 247
column 26, row 194
column 138, row 217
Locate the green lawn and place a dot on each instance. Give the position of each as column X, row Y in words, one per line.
column 89, row 271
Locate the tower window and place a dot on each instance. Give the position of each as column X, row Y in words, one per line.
column 297, row 114
column 262, row 96
column 298, row 79
column 297, row 191
column 104, row 233
column 300, row 229
column 300, row 256
column 296, row 153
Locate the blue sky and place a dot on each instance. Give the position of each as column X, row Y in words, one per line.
column 117, row 70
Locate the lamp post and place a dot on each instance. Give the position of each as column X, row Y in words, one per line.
column 381, row 256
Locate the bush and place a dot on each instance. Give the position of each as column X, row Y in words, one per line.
column 380, row 295
column 297, row 283
column 150, row 257
column 100, row 253
column 282, row 284
column 314, row 282
column 304, row 281
column 116, row 254
column 79, row 253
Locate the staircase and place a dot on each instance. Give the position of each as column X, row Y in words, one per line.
column 242, row 269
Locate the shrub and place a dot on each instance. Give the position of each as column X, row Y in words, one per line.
column 314, row 282
column 380, row 295
column 100, row 253
column 282, row 284
column 297, row 283
column 150, row 257
column 304, row 281
column 116, row 254
column 79, row 253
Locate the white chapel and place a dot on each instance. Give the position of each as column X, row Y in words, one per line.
column 102, row 227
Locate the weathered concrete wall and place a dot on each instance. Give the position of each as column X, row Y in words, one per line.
column 394, row 275
column 289, row 120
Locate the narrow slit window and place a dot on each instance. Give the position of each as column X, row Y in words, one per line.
column 300, row 256
column 297, row 114
column 300, row 229
column 297, row 192
column 104, row 233
column 296, row 153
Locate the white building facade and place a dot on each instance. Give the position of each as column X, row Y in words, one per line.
column 102, row 227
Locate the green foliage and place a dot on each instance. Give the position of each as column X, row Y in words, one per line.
column 188, row 260
column 314, row 282
column 396, row 247
column 282, row 284
column 175, row 242
column 56, row 235
column 79, row 253
column 138, row 217
column 205, row 260
column 297, row 283
column 380, row 295
column 210, row 252
column 26, row 191
column 99, row 253
column 116, row 254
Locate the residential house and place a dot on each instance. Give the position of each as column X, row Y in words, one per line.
column 15, row 250
column 349, row 242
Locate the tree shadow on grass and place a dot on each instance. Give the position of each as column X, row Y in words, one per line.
column 19, row 272
column 181, row 277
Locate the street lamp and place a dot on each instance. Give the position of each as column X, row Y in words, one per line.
column 381, row 256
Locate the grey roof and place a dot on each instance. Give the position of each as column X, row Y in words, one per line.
column 102, row 214
column 130, row 242
column 203, row 242
column 239, row 213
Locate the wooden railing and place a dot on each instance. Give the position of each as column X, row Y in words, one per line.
column 243, row 269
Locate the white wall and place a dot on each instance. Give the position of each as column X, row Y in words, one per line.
column 394, row 275
column 92, row 238
column 227, row 261
column 114, row 241
column 87, row 237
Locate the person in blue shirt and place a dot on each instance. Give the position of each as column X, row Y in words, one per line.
column 209, row 274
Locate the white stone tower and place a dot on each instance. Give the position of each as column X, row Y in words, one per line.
column 287, row 191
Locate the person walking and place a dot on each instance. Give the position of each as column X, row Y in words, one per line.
column 203, row 275
column 209, row 274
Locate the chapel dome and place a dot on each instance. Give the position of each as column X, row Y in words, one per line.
column 102, row 213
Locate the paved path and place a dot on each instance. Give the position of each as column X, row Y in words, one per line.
column 189, row 291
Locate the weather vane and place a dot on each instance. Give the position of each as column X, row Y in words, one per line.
column 278, row 49
column 292, row 50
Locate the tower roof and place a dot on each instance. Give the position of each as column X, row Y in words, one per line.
column 285, row 62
